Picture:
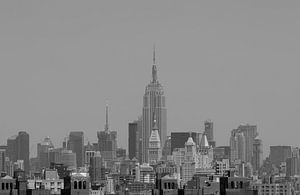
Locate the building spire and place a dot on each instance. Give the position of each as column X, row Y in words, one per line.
column 106, row 118
column 154, row 54
column 154, row 69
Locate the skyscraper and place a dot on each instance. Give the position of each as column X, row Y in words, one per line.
column 133, row 140
column 96, row 169
column 237, row 146
column 154, row 104
column 250, row 133
column 257, row 160
column 209, row 132
column 23, row 149
column 279, row 154
column 43, row 149
column 76, row 143
column 107, row 142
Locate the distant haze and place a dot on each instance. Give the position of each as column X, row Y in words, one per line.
column 229, row 61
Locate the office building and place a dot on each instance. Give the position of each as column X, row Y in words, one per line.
column 154, row 104
column 250, row 133
column 107, row 141
column 209, row 132
column 279, row 154
column 18, row 149
column 178, row 139
column 75, row 144
column 257, row 160
column 237, row 147
column 68, row 158
column 96, row 170
column 43, row 149
column 133, row 140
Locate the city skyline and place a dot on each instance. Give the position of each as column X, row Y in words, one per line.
column 59, row 81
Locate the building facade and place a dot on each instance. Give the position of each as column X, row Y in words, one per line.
column 76, row 143
column 154, row 104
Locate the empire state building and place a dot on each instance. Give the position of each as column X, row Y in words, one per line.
column 154, row 107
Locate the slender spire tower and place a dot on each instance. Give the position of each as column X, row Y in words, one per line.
column 154, row 108
column 106, row 127
column 154, row 69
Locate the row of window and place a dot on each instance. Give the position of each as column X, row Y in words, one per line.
column 7, row 186
column 80, row 185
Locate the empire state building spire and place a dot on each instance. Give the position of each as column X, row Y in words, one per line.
column 106, row 118
column 154, row 69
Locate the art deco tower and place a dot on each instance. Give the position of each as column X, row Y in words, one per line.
column 154, row 104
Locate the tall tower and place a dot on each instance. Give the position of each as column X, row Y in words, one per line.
column 209, row 132
column 76, row 143
column 107, row 141
column 154, row 104
column 257, row 159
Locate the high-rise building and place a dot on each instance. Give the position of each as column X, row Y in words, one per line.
column 154, row 149
column 250, row 133
column 96, row 169
column 178, row 139
column 209, row 132
column 87, row 157
column 107, row 142
column 23, row 149
column 257, row 160
column 68, row 158
column 154, row 104
column 76, row 143
column 2, row 160
column 43, row 149
column 12, row 148
column 18, row 149
column 279, row 154
column 237, row 147
column 133, row 140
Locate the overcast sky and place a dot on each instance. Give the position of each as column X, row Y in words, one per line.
column 229, row 61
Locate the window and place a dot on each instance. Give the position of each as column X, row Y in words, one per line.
column 75, row 184
column 2, row 186
column 7, row 186
column 80, row 185
column 84, row 184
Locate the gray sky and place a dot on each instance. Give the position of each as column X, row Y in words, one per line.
column 230, row 61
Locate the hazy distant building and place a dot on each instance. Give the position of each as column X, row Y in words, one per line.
column 133, row 140
column 221, row 152
column 154, row 149
column 257, row 159
column 87, row 157
column 12, row 148
column 241, row 143
column 250, row 133
column 18, row 149
column 292, row 166
column 76, row 143
column 154, row 104
column 209, row 132
column 279, row 154
column 2, row 160
column 43, row 149
column 237, row 147
column 23, row 149
column 178, row 139
column 107, row 142
column 68, row 158
column 96, row 168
